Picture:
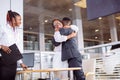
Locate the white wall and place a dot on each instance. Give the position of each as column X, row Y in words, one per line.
column 17, row 6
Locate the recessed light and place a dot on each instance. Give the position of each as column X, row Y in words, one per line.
column 100, row 18
column 96, row 30
column 70, row 9
column 96, row 37
column 109, row 39
column 46, row 21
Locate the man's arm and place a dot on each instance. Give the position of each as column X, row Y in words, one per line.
column 61, row 38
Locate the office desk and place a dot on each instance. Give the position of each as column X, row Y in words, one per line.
column 50, row 71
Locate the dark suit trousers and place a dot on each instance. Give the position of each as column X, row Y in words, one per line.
column 7, row 72
column 77, row 62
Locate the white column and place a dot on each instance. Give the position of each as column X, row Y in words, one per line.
column 41, row 34
column 77, row 20
column 113, row 29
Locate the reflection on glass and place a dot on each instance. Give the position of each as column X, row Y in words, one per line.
column 31, row 41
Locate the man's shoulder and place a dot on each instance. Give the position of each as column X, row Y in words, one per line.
column 65, row 29
column 62, row 30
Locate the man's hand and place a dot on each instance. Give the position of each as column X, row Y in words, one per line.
column 23, row 66
column 73, row 34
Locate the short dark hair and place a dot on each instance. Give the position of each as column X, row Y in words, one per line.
column 67, row 21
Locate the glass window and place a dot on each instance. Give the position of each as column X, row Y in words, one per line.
column 95, row 31
column 31, row 31
column 117, row 17
column 38, row 15
column 31, row 41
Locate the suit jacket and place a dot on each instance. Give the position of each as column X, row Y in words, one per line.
column 69, row 48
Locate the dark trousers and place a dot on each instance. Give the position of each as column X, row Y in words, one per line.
column 7, row 71
column 77, row 62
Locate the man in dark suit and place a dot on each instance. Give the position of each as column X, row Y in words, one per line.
column 70, row 51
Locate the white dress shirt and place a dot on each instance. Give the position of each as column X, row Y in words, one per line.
column 8, row 36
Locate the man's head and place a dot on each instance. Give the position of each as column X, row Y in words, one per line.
column 66, row 21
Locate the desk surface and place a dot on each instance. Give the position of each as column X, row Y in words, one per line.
column 49, row 70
